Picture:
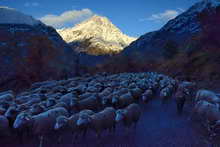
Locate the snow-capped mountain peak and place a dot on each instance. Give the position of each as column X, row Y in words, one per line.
column 12, row 16
column 100, row 32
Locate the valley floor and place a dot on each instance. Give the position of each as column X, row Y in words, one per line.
column 160, row 126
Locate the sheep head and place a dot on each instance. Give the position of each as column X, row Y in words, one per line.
column 84, row 120
column 22, row 120
column 61, row 122
column 120, row 115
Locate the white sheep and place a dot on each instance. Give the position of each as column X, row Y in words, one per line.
column 129, row 115
column 4, row 126
column 123, row 100
column 136, row 92
column 50, row 102
column 99, row 121
column 41, row 124
column 206, row 111
column 70, row 124
column 165, row 94
column 7, row 97
column 11, row 115
column 207, row 95
column 36, row 109
column 91, row 103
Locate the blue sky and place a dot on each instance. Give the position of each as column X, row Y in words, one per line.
column 133, row 17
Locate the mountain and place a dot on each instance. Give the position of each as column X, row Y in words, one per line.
column 187, row 47
column 177, row 31
column 30, row 51
column 96, row 36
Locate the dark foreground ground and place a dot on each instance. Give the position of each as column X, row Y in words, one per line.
column 160, row 126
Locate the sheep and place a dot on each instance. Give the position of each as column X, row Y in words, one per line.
column 7, row 92
column 41, row 124
column 7, row 97
column 99, row 121
column 2, row 111
column 205, row 110
column 4, row 126
column 65, row 123
column 5, row 105
column 36, row 109
column 165, row 94
column 22, row 99
column 60, row 89
column 130, row 115
column 107, row 101
column 123, row 100
column 81, row 88
column 136, row 93
column 92, row 103
column 11, row 115
column 70, row 100
column 180, row 98
column 45, row 83
column 50, row 102
column 121, row 91
column 190, row 88
column 86, row 95
column 60, row 104
column 147, row 95
column 33, row 101
column 207, row 95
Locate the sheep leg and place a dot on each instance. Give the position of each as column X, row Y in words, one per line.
column 84, row 132
column 114, row 127
column 180, row 105
column 135, row 125
column 98, row 134
column 20, row 135
column 59, row 140
column 74, row 137
column 41, row 141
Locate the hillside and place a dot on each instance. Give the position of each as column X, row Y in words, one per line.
column 31, row 51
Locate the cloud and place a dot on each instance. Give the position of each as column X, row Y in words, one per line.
column 67, row 18
column 33, row 4
column 164, row 16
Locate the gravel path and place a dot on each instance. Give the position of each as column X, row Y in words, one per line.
column 160, row 126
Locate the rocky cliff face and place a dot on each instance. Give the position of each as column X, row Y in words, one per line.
column 96, row 36
column 31, row 51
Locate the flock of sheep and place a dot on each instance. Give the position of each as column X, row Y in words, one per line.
column 99, row 102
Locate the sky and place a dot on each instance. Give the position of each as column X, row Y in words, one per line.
column 132, row 17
